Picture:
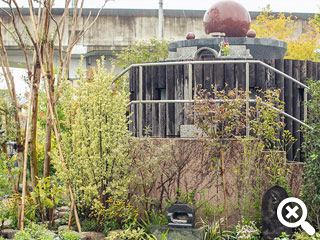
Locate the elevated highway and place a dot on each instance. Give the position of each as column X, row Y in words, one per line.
column 115, row 29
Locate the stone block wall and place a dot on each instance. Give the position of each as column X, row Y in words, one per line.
column 195, row 165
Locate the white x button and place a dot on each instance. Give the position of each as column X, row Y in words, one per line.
column 292, row 212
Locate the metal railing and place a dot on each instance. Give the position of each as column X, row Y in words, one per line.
column 190, row 79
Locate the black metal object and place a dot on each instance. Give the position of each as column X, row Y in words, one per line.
column 180, row 215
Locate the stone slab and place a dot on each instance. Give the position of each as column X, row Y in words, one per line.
column 191, row 131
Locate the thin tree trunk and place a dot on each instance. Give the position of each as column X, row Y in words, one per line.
column 47, row 159
column 33, row 137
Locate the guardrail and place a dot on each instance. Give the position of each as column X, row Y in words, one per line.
column 190, row 79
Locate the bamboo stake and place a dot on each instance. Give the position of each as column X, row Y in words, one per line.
column 224, row 187
column 70, row 217
column 25, row 159
column 60, row 150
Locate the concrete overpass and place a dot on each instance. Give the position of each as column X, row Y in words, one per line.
column 115, row 29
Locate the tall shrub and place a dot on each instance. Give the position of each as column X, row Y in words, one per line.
column 141, row 52
column 95, row 142
column 311, row 149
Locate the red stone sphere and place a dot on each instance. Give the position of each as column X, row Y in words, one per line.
column 227, row 17
column 190, row 35
column 251, row 33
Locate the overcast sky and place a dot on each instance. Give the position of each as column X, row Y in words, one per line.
column 310, row 6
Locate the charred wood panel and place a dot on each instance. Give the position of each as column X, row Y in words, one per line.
column 252, row 75
column 261, row 77
column 218, row 72
column 270, row 75
column 198, row 75
column 166, row 119
column 208, row 79
column 155, row 96
column 296, row 108
column 186, row 118
column 303, row 79
column 148, row 107
column 229, row 73
column 179, row 95
column 240, row 75
column 170, row 109
column 288, row 100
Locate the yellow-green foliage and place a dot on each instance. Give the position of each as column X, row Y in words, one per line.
column 281, row 27
column 95, row 142
column 141, row 52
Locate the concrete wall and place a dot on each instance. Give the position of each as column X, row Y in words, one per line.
column 188, row 165
column 118, row 28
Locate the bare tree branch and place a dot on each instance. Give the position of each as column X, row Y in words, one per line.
column 22, row 45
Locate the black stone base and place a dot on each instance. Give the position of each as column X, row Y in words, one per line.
column 260, row 48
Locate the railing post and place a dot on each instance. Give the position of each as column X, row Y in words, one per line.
column 140, row 101
column 247, row 101
column 190, row 81
column 305, row 107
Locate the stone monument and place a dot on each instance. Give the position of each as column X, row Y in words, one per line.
column 227, row 21
column 271, row 226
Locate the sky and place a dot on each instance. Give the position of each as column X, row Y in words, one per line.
column 21, row 86
column 310, row 6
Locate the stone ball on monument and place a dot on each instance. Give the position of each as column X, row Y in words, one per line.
column 190, row 35
column 227, row 17
column 251, row 33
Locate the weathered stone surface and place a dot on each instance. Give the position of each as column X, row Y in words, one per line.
column 184, row 53
column 62, row 214
column 239, row 51
column 190, row 131
column 65, row 228
column 6, row 224
column 92, row 236
column 176, row 233
column 271, row 226
column 261, row 48
column 9, row 233
column 64, row 209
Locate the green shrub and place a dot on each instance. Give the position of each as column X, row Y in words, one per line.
column 69, row 235
column 89, row 224
column 22, row 235
column 34, row 232
column 304, row 236
column 283, row 236
column 311, row 149
column 131, row 234
column 141, row 52
column 95, row 142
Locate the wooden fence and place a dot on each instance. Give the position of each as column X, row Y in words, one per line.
column 172, row 83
